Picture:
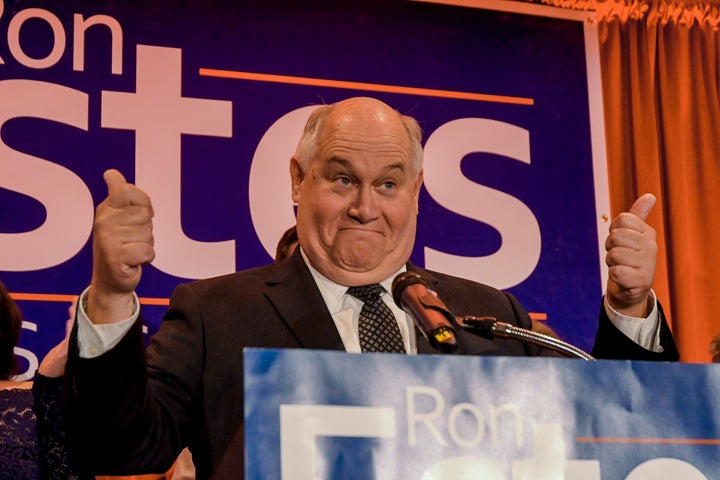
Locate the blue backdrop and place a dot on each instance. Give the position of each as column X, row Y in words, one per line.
column 171, row 94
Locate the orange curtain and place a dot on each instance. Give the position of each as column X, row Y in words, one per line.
column 661, row 82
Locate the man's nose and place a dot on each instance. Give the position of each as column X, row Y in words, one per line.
column 364, row 208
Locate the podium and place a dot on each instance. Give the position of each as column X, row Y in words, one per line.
column 333, row 415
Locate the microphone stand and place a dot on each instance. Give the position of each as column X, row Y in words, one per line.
column 489, row 327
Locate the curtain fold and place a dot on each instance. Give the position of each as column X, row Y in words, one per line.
column 660, row 69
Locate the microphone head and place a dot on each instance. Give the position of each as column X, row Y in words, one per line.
column 404, row 280
column 428, row 312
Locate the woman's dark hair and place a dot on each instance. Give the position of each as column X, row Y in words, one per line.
column 715, row 349
column 286, row 245
column 10, row 325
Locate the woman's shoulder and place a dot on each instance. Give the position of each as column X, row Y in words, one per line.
column 12, row 385
column 15, row 397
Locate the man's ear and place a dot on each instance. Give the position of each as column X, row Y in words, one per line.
column 296, row 177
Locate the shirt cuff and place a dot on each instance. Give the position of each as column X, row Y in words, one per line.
column 643, row 331
column 94, row 340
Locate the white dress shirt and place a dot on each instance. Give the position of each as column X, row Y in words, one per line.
column 345, row 310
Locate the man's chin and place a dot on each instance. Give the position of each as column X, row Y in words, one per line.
column 367, row 272
column 353, row 278
column 361, row 257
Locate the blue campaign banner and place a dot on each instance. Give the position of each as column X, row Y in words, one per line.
column 328, row 415
column 201, row 105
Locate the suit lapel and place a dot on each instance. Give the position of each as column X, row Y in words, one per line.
column 299, row 303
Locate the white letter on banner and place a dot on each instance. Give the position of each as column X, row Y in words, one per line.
column 66, row 198
column 160, row 115
column 479, row 421
column 413, row 417
column 465, row 468
column 301, row 424
column 520, row 250
column 270, row 205
column 14, row 38
column 666, row 469
column 518, row 422
column 27, row 354
column 79, row 29
column 549, row 458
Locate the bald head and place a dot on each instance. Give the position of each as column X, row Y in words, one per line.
column 307, row 147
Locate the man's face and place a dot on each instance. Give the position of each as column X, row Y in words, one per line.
column 357, row 201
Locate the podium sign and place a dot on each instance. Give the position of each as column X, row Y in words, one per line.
column 331, row 415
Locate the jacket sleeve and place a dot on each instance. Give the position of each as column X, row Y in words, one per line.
column 125, row 417
column 611, row 343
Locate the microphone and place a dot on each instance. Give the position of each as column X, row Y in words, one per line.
column 411, row 293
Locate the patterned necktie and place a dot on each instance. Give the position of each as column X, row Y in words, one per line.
column 379, row 331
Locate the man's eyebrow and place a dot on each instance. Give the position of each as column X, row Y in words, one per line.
column 393, row 166
column 340, row 161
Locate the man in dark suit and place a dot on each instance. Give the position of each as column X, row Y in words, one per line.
column 356, row 178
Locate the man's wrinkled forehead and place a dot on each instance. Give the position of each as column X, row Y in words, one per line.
column 379, row 130
column 341, row 163
column 364, row 119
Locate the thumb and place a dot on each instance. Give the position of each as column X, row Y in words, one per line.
column 114, row 180
column 643, row 206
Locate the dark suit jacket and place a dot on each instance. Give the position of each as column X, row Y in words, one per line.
column 129, row 415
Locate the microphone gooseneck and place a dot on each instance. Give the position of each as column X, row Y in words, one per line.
column 489, row 327
column 433, row 318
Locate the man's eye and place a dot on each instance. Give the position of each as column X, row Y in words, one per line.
column 343, row 181
column 388, row 185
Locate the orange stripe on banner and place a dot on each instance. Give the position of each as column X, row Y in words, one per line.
column 373, row 87
column 154, row 301
column 658, row 441
column 42, row 297
column 50, row 297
